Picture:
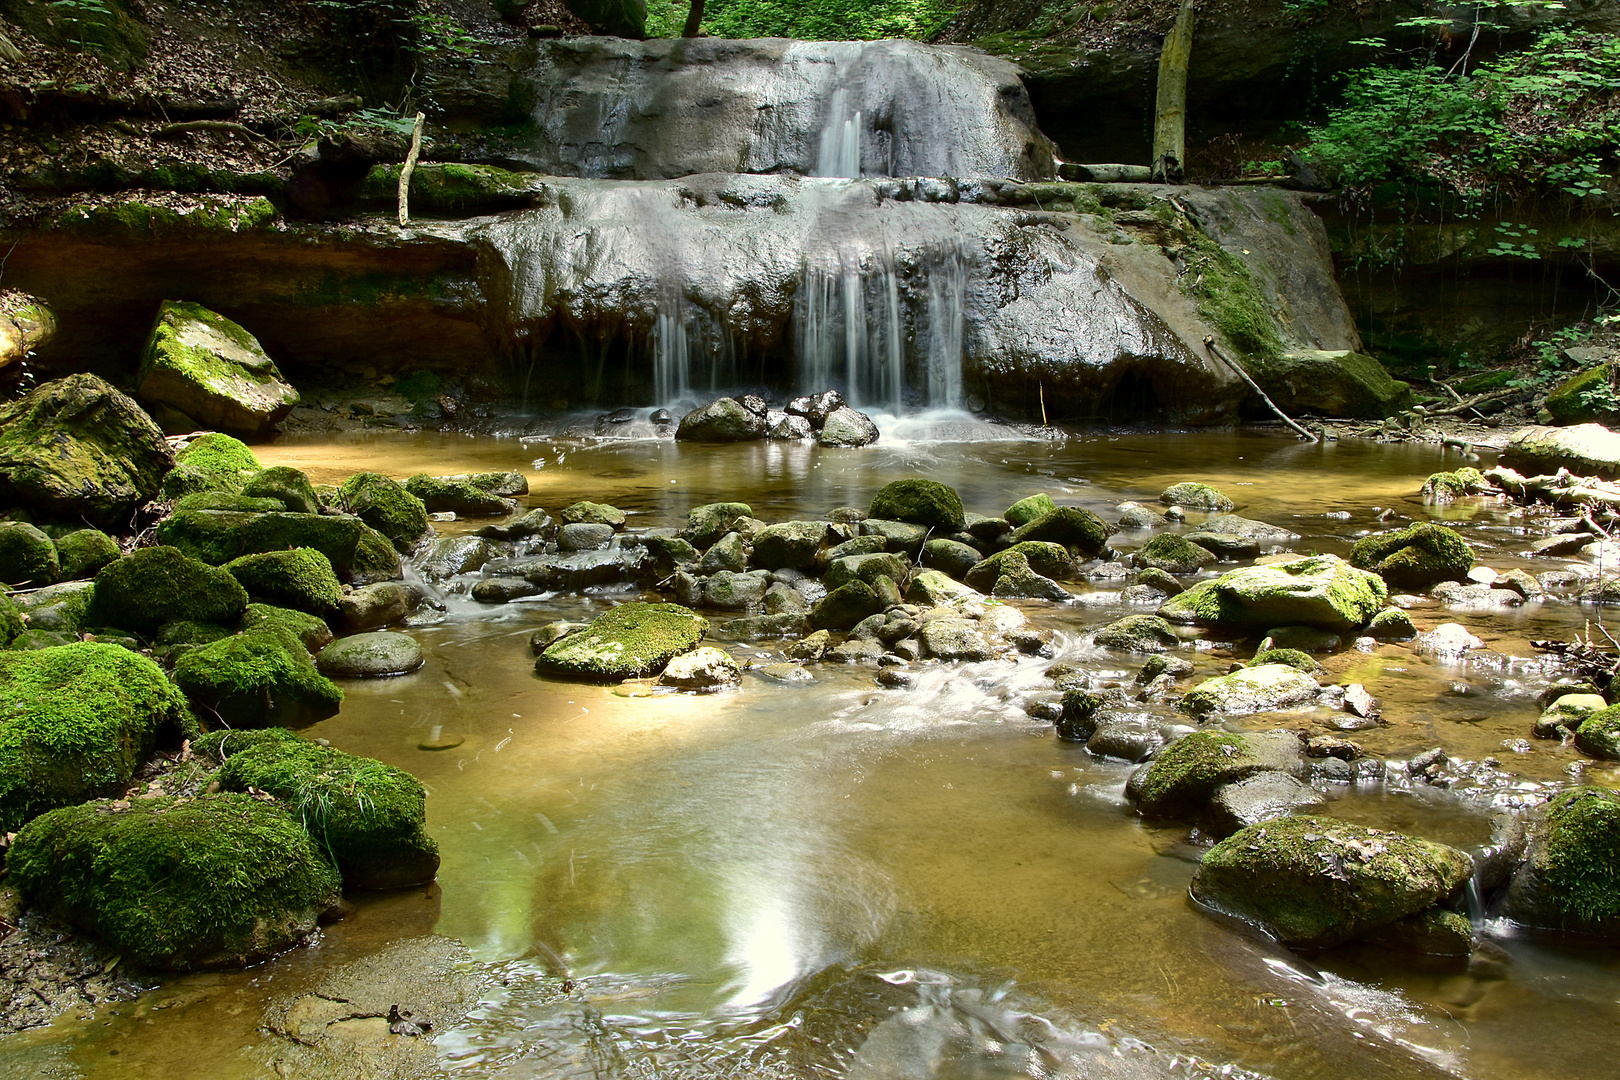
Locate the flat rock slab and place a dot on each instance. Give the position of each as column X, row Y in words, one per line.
column 366, row 656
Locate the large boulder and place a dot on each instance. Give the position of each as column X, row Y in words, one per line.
column 77, row 449
column 79, row 719
column 359, row 554
column 1196, row 496
column 212, row 373
column 1315, row 882
column 1416, row 557
column 368, row 656
column 155, row 585
column 847, row 427
column 1585, row 449
column 1186, row 774
column 383, row 503
column 297, row 578
column 1069, row 526
column 1569, row 879
column 27, row 556
column 288, row 486
column 262, row 677
column 441, row 494
column 1321, row 590
column 921, row 502
column 178, row 883
column 1329, row 383
column 631, row 640
column 1262, row 688
column 369, row 817
column 213, row 461
column 723, row 420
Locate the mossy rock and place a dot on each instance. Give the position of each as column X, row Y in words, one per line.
column 60, row 608
column 214, row 747
column 11, row 620
column 216, row 218
column 1185, row 774
column 261, row 677
column 1321, row 590
column 27, row 556
column 454, row 188
column 1392, row 624
column 1416, row 557
column 456, row 496
column 83, row 552
column 367, row 816
column 189, row 632
column 707, row 523
column 1029, row 508
column 1174, row 555
column 1446, row 487
column 227, row 501
column 77, row 449
column 1329, row 383
column 586, row 512
column 1262, row 688
column 155, row 585
column 1045, row 558
column 920, row 502
column 630, row 641
column 1078, row 720
column 310, row 630
column 1572, row 401
column 175, row 883
column 845, row 606
column 948, row 556
column 1276, row 875
column 218, row 455
column 1196, row 496
column 785, row 545
column 384, row 504
column 1599, row 734
column 288, row 486
column 1570, row 877
column 1294, row 658
column 1072, row 527
column 1139, row 634
column 866, row 568
column 212, row 371
column 358, row 553
column 79, row 720
column 298, row 578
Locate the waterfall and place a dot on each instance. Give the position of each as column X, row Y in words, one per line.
column 672, row 357
column 839, row 149
column 947, row 288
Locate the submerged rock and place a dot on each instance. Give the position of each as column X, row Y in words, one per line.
column 178, row 884
column 212, row 373
column 630, row 641
column 1315, row 882
column 364, row 656
column 1320, row 590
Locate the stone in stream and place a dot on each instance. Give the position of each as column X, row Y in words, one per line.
column 1069, row 526
column 1320, row 590
column 920, row 502
column 366, row 656
column 261, row 677
column 1078, row 719
column 730, row 552
column 532, row 523
column 930, row 588
column 1322, row 382
column 1017, row 580
column 285, row 484
column 790, row 544
column 452, row 555
column 368, row 816
column 310, row 630
column 178, row 884
column 1569, row 877
column 1174, row 666
column 846, row 427
column 593, row 513
column 496, row 483
column 1567, row 713
column 1266, row 688
column 1154, row 578
column 1392, row 624
column 954, row 639
column 1316, row 882
column 75, row 448
column 724, row 420
column 1257, row 798
column 707, row 523
column 1126, row 739
column 734, row 591
column 584, row 536
column 1248, row 529
column 789, row 428
column 459, row 497
column 845, row 606
column 503, row 590
column 632, row 640
column 949, row 556
column 1306, row 639
column 866, row 568
column 704, row 668
column 27, row 556
column 816, row 408
column 1029, row 508
column 155, row 585
column 201, row 370
column 1133, row 515
column 1045, row 558
column 1416, row 557
column 1224, row 546
column 298, row 578
column 788, row 624
column 1138, row 633
column 375, row 605
column 1195, row 496
column 898, row 536
column 1174, row 555
column 1448, row 487
column 1181, row 780
column 384, row 504
column 1584, row 449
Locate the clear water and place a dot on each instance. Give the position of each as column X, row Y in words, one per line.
column 840, row 880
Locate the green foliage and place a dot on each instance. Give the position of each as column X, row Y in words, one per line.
column 818, row 20
column 1539, row 119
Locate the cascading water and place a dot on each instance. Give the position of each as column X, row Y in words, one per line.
column 839, row 147
column 672, row 357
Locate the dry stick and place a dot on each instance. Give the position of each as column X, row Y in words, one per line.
column 1041, row 388
column 1209, row 343
column 223, row 127
column 410, row 167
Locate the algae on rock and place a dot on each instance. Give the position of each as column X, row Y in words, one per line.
column 631, row 640
column 155, row 585
column 212, row 372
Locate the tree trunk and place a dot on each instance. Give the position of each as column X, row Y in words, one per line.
column 1170, row 112
column 694, row 19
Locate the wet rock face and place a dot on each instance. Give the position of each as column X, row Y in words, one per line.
column 652, row 110
column 1568, row 880
column 1585, row 449
column 1321, row 590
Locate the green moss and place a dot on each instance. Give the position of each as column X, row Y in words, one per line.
column 1415, row 557
column 1072, row 527
column 287, row 485
column 27, row 556
column 1599, row 734
column 385, row 505
column 1187, row 772
column 190, row 632
column 631, row 640
column 1581, row 864
column 308, row 629
column 216, row 746
column 225, row 500
column 920, row 502
column 456, row 496
column 298, row 578
column 357, row 552
column 211, row 462
column 583, row 512
column 368, row 817
column 77, row 720
column 212, row 536
column 136, row 219
column 1444, row 487
column 1078, row 721
column 1174, row 555
column 452, row 187
column 1293, row 658
column 156, row 585
column 1322, row 591
column 11, row 620
column 1045, row 558
column 1196, row 496
column 215, row 881
column 1222, row 286
column 1029, row 508
column 85, row 551
column 261, row 677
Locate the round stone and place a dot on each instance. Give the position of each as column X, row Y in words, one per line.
column 363, row 656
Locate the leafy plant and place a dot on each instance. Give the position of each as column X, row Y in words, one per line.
column 830, row 20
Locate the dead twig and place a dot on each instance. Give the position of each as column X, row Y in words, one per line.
column 1209, row 343
column 221, row 127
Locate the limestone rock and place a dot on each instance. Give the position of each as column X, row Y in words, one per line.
column 365, row 656
column 704, row 668
column 1321, row 590
column 1264, row 688
column 846, row 427
column 209, row 369
column 723, row 420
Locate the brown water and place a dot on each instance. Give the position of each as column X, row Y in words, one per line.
column 841, row 880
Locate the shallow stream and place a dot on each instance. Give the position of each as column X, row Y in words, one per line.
column 840, row 880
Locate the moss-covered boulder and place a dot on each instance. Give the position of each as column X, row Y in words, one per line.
column 383, row 503
column 1448, row 487
column 27, row 556
column 1138, row 633
column 1294, row 658
column 949, row 556
column 1329, row 383
column 866, row 568
column 155, row 585
column 724, row 420
column 586, row 512
column 176, row 883
column 1321, row 590
column 1392, row 624
column 212, row 373
column 298, row 578
column 1599, row 734
column 707, row 523
column 1045, row 558
column 459, row 497
column 61, row 608
column 631, row 640
column 1174, row 555
column 76, row 448
column 261, row 677
column 1262, row 688
column 1584, row 449
column 1315, row 882
column 920, row 502
column 367, row 816
column 83, row 552
column 1569, row 879
column 1029, row 508
column 290, row 488
column 11, row 620
column 78, row 720
column 1578, row 399
column 211, row 462
column 1186, row 774
column 227, row 500
column 359, row 554
column 1416, row 557
column 1196, row 496
column 310, row 630
column 1070, row 526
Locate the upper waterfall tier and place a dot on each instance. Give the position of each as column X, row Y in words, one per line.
column 608, row 108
